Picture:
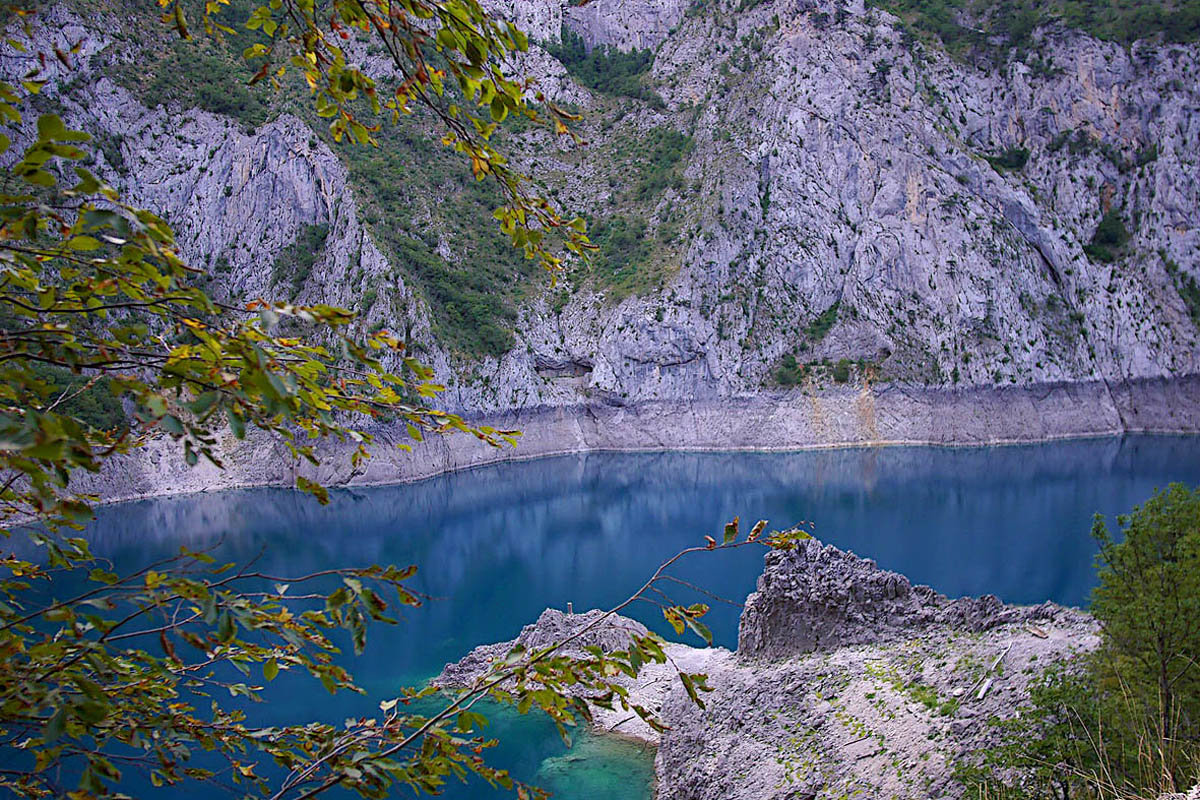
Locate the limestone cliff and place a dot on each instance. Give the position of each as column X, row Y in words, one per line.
column 796, row 185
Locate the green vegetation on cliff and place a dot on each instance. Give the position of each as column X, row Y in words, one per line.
column 419, row 202
column 605, row 69
column 962, row 25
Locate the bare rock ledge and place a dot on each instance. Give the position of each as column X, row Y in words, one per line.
column 847, row 681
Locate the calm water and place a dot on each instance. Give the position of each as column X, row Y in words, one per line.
column 497, row 545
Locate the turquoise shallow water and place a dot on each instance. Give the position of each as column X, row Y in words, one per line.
column 496, row 545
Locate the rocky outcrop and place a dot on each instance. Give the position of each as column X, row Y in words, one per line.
column 590, row 629
column 625, row 24
column 1193, row 794
column 850, row 681
column 847, row 681
column 816, row 597
column 611, row 632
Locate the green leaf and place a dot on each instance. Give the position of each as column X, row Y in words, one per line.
column 700, row 629
column 55, row 726
column 226, row 627
column 51, row 129
column 270, row 670
column 204, row 402
column 84, row 243
column 470, row 720
column 208, row 608
column 690, row 686
column 312, row 487
column 236, row 424
column 675, row 618
column 499, row 109
column 92, row 711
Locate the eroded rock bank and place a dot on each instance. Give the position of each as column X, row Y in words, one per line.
column 848, row 680
column 836, row 416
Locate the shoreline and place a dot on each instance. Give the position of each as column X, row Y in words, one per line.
column 813, row 448
column 865, row 417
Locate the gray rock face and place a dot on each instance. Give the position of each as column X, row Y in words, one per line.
column 833, row 162
column 625, row 24
column 889, row 719
column 850, row 681
column 552, row 626
column 817, row 597
column 770, row 421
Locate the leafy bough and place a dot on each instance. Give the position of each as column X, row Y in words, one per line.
column 111, row 679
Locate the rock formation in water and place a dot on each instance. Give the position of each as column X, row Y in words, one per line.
column 612, row 634
column 814, row 227
column 817, row 597
column 847, row 681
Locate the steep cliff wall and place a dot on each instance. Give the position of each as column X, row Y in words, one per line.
column 795, row 186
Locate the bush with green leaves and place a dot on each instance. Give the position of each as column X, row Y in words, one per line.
column 975, row 25
column 294, row 263
column 841, row 370
column 1124, row 720
column 823, row 323
column 1188, row 289
column 603, row 68
column 1109, row 237
column 1148, row 605
column 664, row 152
column 1012, row 158
column 622, row 262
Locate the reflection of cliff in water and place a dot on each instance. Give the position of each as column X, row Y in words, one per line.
column 834, row 470
column 586, row 528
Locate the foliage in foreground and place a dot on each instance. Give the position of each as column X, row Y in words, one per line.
column 126, row 674
column 123, row 677
column 1124, row 720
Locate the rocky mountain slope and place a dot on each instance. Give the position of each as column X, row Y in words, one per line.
column 800, row 206
column 847, row 681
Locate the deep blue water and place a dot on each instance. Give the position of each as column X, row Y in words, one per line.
column 496, row 545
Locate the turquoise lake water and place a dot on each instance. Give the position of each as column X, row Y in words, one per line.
column 496, row 545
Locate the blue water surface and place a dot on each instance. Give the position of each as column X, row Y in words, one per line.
column 497, row 545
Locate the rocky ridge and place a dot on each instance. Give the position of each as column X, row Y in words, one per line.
column 899, row 685
column 816, row 598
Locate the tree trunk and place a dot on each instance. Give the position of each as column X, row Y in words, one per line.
column 1166, row 727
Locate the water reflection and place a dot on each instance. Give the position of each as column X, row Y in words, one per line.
column 498, row 544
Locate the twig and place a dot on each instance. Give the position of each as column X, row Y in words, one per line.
column 985, row 683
